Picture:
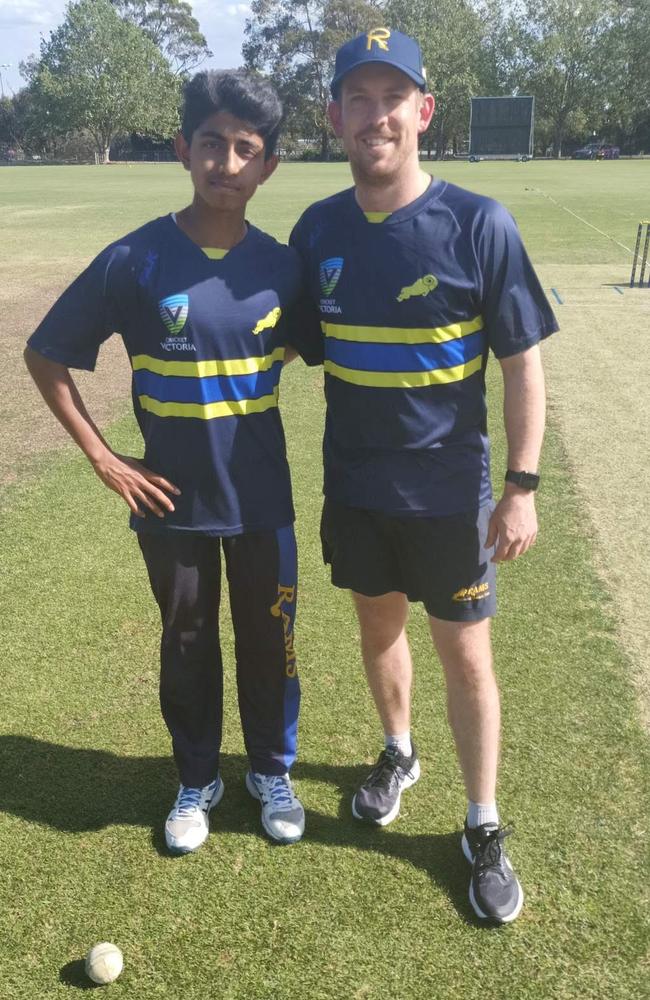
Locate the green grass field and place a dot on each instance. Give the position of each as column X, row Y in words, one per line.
column 86, row 776
column 70, row 213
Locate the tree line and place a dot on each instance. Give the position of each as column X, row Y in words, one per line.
column 112, row 67
column 117, row 66
column 586, row 62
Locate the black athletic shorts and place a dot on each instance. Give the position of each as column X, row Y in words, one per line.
column 440, row 561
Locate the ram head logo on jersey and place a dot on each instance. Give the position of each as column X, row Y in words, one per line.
column 173, row 312
column 420, row 287
column 268, row 321
column 330, row 272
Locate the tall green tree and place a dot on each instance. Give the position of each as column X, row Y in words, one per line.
column 499, row 54
column 9, row 127
column 98, row 73
column 23, row 125
column 295, row 42
column 450, row 36
column 624, row 75
column 26, row 127
column 558, row 46
column 171, row 25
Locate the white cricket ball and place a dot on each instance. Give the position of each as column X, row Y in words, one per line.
column 104, row 962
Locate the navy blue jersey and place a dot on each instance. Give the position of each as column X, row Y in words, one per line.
column 206, row 340
column 409, row 308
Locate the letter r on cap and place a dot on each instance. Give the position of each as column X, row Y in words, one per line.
column 380, row 36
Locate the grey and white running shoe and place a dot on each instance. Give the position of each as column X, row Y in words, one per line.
column 283, row 816
column 494, row 890
column 378, row 799
column 188, row 823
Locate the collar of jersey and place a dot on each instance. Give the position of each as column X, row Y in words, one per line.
column 251, row 232
column 215, row 253
column 434, row 190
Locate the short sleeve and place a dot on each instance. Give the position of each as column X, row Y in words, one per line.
column 515, row 309
column 84, row 316
column 304, row 331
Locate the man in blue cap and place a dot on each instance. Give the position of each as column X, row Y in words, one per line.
column 416, row 280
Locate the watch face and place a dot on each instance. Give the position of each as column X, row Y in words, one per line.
column 526, row 480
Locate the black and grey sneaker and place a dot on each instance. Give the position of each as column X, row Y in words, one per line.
column 494, row 891
column 377, row 801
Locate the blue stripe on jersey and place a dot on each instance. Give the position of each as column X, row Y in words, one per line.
column 288, row 592
column 404, row 357
column 209, row 389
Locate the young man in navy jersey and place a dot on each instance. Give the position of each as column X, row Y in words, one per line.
column 201, row 300
column 415, row 280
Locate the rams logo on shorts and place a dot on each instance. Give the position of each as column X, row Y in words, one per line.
column 269, row 321
column 476, row 593
column 420, row 287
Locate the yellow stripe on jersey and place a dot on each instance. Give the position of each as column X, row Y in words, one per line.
column 377, row 216
column 405, row 380
column 402, row 335
column 209, row 411
column 214, row 253
column 204, row 369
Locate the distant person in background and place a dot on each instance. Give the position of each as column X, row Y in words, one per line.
column 415, row 280
column 200, row 299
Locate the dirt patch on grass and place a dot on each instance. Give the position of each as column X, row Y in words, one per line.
column 598, row 374
column 27, row 428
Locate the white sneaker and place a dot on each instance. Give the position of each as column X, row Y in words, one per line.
column 283, row 816
column 188, row 824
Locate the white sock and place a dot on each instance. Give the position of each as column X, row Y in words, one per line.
column 480, row 813
column 402, row 741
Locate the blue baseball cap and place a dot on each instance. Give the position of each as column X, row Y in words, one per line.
column 381, row 45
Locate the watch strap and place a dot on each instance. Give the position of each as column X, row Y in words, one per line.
column 525, row 480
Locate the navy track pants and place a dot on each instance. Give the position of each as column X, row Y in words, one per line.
column 185, row 574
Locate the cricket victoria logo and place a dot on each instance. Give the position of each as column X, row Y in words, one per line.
column 329, row 273
column 173, row 312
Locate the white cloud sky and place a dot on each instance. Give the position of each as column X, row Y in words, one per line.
column 24, row 22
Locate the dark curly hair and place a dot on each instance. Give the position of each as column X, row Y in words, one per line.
column 245, row 95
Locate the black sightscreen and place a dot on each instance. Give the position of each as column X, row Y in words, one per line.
column 502, row 126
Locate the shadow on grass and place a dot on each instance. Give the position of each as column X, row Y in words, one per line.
column 74, row 974
column 76, row 790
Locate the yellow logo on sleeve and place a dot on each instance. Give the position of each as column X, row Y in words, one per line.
column 380, row 37
column 420, row 287
column 268, row 321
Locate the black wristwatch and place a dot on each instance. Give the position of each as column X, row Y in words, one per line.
column 525, row 480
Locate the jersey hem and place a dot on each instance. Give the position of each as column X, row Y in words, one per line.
column 410, row 512
column 241, row 529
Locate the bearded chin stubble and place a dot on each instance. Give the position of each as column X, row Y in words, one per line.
column 373, row 176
